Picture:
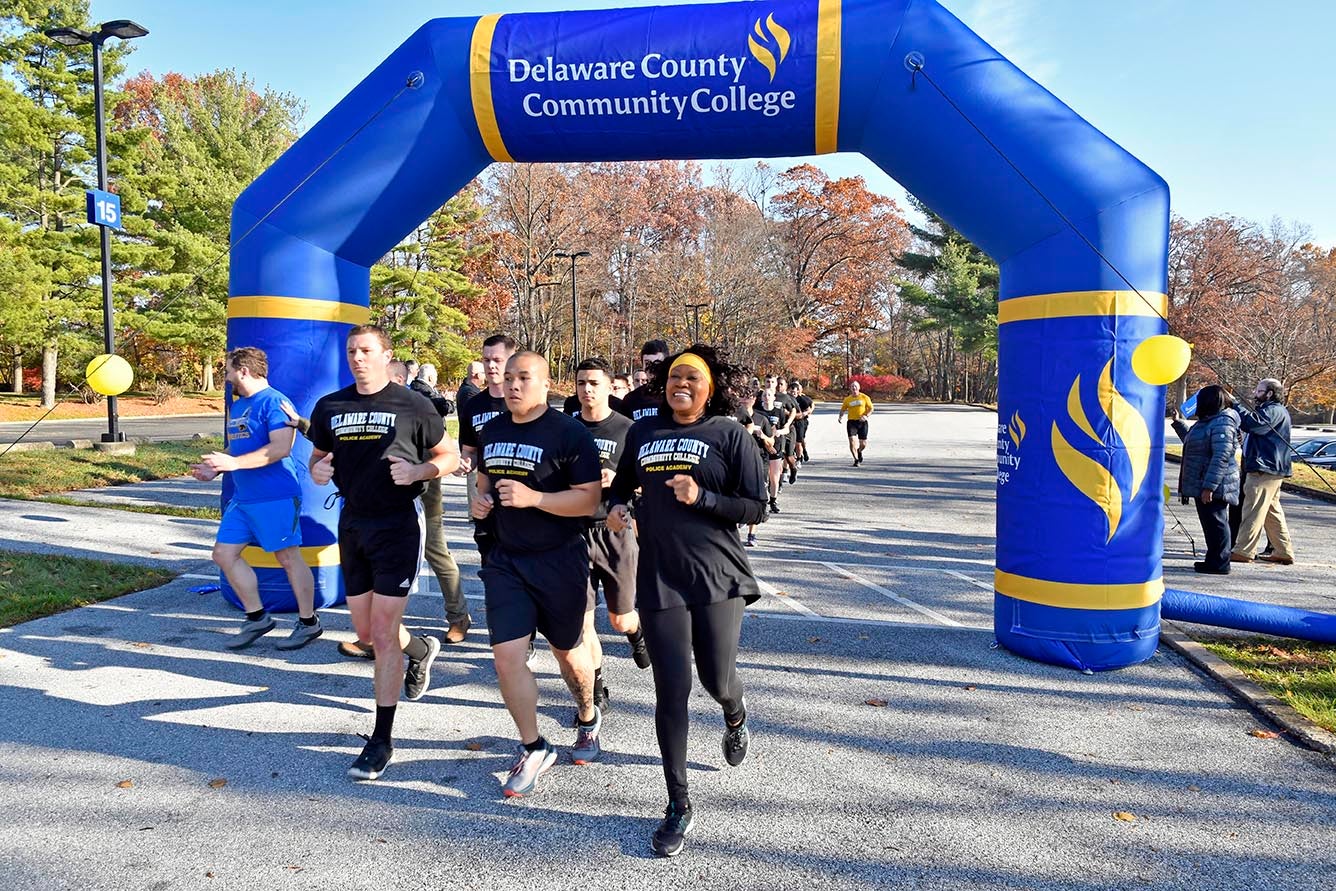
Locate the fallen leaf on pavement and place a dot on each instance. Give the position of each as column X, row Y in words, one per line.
column 879, row 703
column 1125, row 816
column 1263, row 734
column 125, row 784
column 1194, row 788
column 217, row 783
column 970, row 687
column 474, row 746
column 141, row 645
column 781, row 593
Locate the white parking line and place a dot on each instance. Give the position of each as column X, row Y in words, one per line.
column 887, row 592
column 882, row 623
column 964, row 578
column 784, row 598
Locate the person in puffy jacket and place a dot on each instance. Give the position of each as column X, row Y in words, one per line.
column 1209, row 474
column 1266, row 458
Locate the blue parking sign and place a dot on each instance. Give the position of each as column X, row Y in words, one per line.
column 104, row 208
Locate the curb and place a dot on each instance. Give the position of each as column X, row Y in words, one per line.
column 1298, row 728
column 1305, row 491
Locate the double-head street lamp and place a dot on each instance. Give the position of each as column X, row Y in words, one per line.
column 125, row 30
column 575, row 312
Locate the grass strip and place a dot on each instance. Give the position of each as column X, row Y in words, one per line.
column 1300, row 673
column 35, row 585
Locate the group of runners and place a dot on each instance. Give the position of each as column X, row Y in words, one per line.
column 641, row 496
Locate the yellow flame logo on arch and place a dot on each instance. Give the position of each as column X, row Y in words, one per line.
column 1091, row 478
column 761, row 42
column 1016, row 429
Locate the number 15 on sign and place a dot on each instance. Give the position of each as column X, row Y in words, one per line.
column 104, row 208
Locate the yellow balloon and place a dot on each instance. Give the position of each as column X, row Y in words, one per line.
column 109, row 375
column 1161, row 359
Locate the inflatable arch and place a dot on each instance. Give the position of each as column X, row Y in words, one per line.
column 1080, row 438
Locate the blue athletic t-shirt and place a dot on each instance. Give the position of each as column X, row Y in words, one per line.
column 250, row 420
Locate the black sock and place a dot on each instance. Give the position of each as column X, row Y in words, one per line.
column 311, row 621
column 258, row 614
column 741, row 718
column 416, row 649
column 384, row 723
column 536, row 744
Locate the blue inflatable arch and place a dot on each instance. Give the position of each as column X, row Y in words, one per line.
column 1080, row 441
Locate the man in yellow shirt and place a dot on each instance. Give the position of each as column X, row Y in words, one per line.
column 858, row 406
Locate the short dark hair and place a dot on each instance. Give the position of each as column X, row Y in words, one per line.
column 595, row 363
column 654, row 347
column 503, row 339
column 378, row 331
column 623, row 377
column 252, row 359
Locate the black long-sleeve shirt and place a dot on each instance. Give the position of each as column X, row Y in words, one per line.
column 691, row 554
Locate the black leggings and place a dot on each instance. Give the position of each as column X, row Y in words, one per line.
column 710, row 631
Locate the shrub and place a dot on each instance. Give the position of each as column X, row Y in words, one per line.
column 888, row 386
column 164, row 392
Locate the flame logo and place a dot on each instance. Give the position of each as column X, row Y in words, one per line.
column 1016, row 428
column 760, row 44
column 1093, row 479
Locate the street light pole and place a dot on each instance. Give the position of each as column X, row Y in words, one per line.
column 125, row 30
column 575, row 307
column 695, row 321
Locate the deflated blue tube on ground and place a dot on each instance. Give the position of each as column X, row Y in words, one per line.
column 1245, row 615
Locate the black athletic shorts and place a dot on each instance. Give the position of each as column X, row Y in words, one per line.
column 382, row 554
column 613, row 557
column 800, row 430
column 857, row 428
column 546, row 591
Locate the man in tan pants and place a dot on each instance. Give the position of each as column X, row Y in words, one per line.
column 1266, row 458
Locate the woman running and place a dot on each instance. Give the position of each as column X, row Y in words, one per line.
column 700, row 474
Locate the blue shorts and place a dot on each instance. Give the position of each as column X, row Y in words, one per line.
column 273, row 525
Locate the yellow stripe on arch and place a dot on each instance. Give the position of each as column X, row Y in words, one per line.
column 1067, row 304
column 301, row 308
column 480, row 86
column 1078, row 596
column 326, row 555
column 828, row 76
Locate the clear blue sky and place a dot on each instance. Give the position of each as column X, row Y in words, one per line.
column 1229, row 100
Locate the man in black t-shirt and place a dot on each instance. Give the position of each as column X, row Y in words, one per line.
column 763, row 432
column 538, row 481
column 473, row 417
column 612, row 555
column 805, row 408
column 644, row 401
column 380, row 443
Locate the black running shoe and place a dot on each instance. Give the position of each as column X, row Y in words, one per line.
column 774, row 506
column 639, row 650
column 375, row 757
column 793, row 475
column 602, row 699
column 736, row 740
column 672, row 832
column 418, row 676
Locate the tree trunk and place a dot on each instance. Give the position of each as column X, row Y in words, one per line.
column 208, row 374
column 17, row 386
column 49, row 374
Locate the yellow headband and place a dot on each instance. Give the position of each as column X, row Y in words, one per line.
column 696, row 362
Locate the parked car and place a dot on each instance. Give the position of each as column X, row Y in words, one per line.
column 1318, row 452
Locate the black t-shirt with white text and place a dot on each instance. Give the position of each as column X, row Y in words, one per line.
column 762, row 424
column 641, row 403
column 474, row 415
column 610, row 437
column 363, row 431
column 551, row 453
column 688, row 555
column 778, row 413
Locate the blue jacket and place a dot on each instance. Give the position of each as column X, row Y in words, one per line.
column 1267, row 449
column 1208, row 457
